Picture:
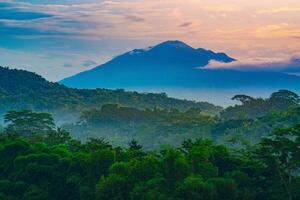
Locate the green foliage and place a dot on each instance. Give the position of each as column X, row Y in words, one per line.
column 28, row 122
column 280, row 152
column 21, row 90
column 284, row 99
column 252, row 108
column 246, row 132
column 40, row 161
column 120, row 125
column 156, row 127
column 195, row 188
column 58, row 167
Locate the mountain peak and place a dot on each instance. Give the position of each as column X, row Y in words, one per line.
column 179, row 51
column 168, row 46
column 174, row 44
column 165, row 63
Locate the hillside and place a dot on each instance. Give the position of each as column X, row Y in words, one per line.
column 21, row 89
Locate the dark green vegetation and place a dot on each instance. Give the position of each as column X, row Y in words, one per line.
column 152, row 128
column 240, row 125
column 153, row 120
column 254, row 118
column 119, row 145
column 25, row 90
column 45, row 163
column 252, row 108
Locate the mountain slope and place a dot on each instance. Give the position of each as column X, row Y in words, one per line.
column 21, row 89
column 162, row 65
column 174, row 64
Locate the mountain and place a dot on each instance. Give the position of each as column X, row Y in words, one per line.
column 174, row 64
column 167, row 64
column 21, row 89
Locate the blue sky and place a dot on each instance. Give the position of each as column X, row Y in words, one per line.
column 59, row 38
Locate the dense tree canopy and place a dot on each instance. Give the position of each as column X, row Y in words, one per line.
column 120, row 125
column 56, row 166
column 252, row 108
column 28, row 122
column 156, row 127
column 130, row 146
column 21, row 90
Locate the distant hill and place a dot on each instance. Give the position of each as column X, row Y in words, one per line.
column 21, row 89
column 174, row 64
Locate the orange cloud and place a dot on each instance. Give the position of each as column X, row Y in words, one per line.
column 222, row 8
column 279, row 10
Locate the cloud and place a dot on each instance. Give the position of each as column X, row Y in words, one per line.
column 135, row 18
column 89, row 63
column 281, row 30
column 186, row 24
column 223, row 8
column 26, row 19
column 289, row 66
column 9, row 12
column 279, row 10
column 59, row 2
column 14, row 29
column 67, row 65
column 100, row 29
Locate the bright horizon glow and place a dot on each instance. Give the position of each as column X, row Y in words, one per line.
column 68, row 36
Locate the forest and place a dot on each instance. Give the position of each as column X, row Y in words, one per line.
column 236, row 126
column 40, row 161
column 63, row 143
column 20, row 89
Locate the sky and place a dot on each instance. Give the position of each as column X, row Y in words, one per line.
column 59, row 38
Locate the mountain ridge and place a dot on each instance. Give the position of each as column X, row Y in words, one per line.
column 170, row 59
column 174, row 64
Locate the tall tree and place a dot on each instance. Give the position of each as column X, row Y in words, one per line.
column 27, row 122
column 284, row 99
column 281, row 152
